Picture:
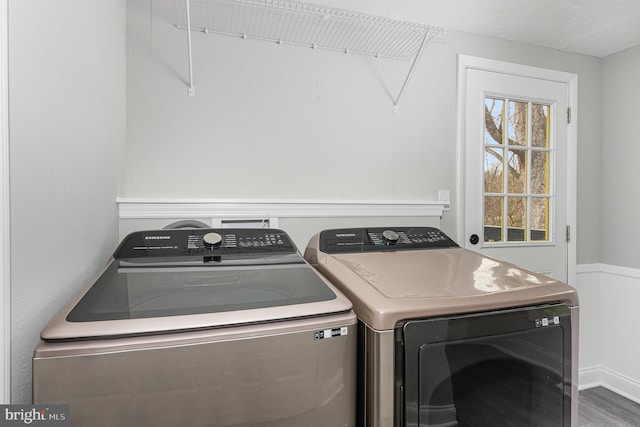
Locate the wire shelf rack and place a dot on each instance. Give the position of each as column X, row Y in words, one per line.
column 304, row 24
column 308, row 25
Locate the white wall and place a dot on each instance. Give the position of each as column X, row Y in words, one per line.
column 284, row 122
column 295, row 118
column 5, row 317
column 326, row 121
column 67, row 133
column 620, row 151
column 610, row 289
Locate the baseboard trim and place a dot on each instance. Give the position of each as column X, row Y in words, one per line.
column 599, row 376
column 590, row 377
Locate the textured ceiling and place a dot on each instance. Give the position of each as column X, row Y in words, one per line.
column 592, row 27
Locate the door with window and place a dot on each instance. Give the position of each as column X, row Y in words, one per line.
column 515, row 169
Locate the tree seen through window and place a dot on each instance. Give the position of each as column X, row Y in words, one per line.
column 516, row 170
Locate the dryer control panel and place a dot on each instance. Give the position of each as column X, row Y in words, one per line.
column 376, row 239
column 205, row 242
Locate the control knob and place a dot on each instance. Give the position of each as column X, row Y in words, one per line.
column 390, row 237
column 212, row 240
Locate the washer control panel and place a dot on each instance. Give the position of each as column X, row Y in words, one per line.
column 204, row 242
column 350, row 240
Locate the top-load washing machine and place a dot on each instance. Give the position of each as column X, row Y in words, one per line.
column 202, row 327
column 448, row 337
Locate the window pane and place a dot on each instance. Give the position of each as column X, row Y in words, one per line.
column 493, row 170
column 518, row 123
column 517, row 162
column 518, row 157
column 540, row 172
column 539, row 219
column 517, row 218
column 493, row 120
column 540, row 125
column 493, row 219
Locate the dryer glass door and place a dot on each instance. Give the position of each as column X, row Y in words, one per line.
column 510, row 367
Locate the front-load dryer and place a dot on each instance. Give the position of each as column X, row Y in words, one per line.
column 448, row 337
column 202, row 327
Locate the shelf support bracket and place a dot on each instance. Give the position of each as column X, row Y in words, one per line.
column 428, row 35
column 191, row 88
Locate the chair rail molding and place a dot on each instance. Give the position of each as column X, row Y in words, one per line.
column 130, row 208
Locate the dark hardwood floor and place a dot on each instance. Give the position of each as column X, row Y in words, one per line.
column 599, row 407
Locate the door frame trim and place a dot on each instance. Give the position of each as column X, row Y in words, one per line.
column 465, row 63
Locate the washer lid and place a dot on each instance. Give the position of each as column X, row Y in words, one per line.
column 135, row 293
column 134, row 301
column 171, row 288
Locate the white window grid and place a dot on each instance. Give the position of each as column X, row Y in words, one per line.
column 528, row 195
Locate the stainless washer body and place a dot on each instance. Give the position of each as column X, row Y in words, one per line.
column 202, row 328
column 418, row 297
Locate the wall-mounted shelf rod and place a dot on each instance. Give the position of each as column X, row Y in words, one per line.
column 425, row 40
column 191, row 91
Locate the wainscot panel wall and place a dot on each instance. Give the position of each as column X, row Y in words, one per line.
column 608, row 321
